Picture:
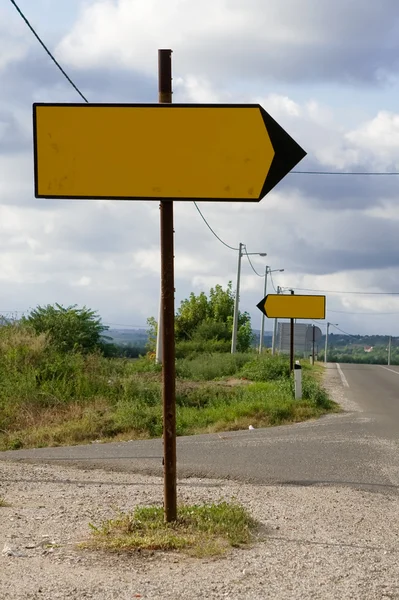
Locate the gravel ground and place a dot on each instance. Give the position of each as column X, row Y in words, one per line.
column 316, row 542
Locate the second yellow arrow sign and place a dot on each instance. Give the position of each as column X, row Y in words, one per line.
column 293, row 307
column 152, row 151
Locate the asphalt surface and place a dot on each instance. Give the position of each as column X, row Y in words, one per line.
column 358, row 447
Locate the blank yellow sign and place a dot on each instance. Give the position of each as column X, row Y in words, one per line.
column 221, row 152
column 151, row 152
column 291, row 306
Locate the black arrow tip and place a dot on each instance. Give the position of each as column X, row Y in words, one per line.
column 287, row 153
column 261, row 306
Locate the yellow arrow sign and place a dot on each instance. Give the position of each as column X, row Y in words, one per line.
column 155, row 151
column 293, row 307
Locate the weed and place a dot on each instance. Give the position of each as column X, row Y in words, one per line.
column 207, row 367
column 200, row 530
column 267, row 368
column 48, row 398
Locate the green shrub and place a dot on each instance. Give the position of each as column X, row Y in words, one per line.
column 207, row 367
column 145, row 365
column 194, row 348
column 266, row 367
column 200, row 397
column 52, row 397
column 140, row 417
column 312, row 390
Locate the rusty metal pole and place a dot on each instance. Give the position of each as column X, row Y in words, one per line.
column 313, row 343
column 168, row 316
column 292, row 346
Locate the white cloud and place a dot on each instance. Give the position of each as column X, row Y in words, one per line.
column 13, row 42
column 287, row 39
column 378, row 138
column 327, row 233
column 83, row 281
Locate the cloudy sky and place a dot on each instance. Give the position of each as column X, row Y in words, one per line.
column 328, row 72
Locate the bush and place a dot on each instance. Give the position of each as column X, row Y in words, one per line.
column 144, row 364
column 267, row 368
column 52, row 397
column 192, row 348
column 206, row 367
column 312, row 390
column 202, row 396
column 70, row 328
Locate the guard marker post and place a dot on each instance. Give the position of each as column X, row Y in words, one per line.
column 298, row 380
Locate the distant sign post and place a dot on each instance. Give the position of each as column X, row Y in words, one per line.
column 292, row 307
column 161, row 152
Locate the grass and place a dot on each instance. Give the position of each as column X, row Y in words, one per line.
column 49, row 399
column 3, row 503
column 207, row 367
column 200, row 530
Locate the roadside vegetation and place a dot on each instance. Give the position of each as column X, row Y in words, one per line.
column 200, row 530
column 60, row 390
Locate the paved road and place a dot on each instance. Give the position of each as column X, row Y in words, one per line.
column 358, row 448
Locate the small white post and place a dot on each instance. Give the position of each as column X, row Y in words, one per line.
column 298, row 380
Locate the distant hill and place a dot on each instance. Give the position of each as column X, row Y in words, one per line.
column 128, row 337
column 139, row 337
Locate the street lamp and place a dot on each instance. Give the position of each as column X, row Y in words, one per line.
column 262, row 327
column 326, row 343
column 237, row 298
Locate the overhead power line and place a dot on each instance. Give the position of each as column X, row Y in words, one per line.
column 271, row 279
column 48, row 51
column 362, row 173
column 250, row 262
column 350, row 312
column 210, row 228
column 348, row 292
column 344, row 332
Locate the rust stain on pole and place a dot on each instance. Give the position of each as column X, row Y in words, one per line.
column 168, row 314
column 292, row 345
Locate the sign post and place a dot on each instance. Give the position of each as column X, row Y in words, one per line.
column 167, row 322
column 165, row 152
column 292, row 343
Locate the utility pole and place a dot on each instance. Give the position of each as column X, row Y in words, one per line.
column 262, row 326
column 274, row 340
column 237, row 301
column 237, row 298
column 168, row 316
column 389, row 350
column 262, row 329
column 326, row 342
